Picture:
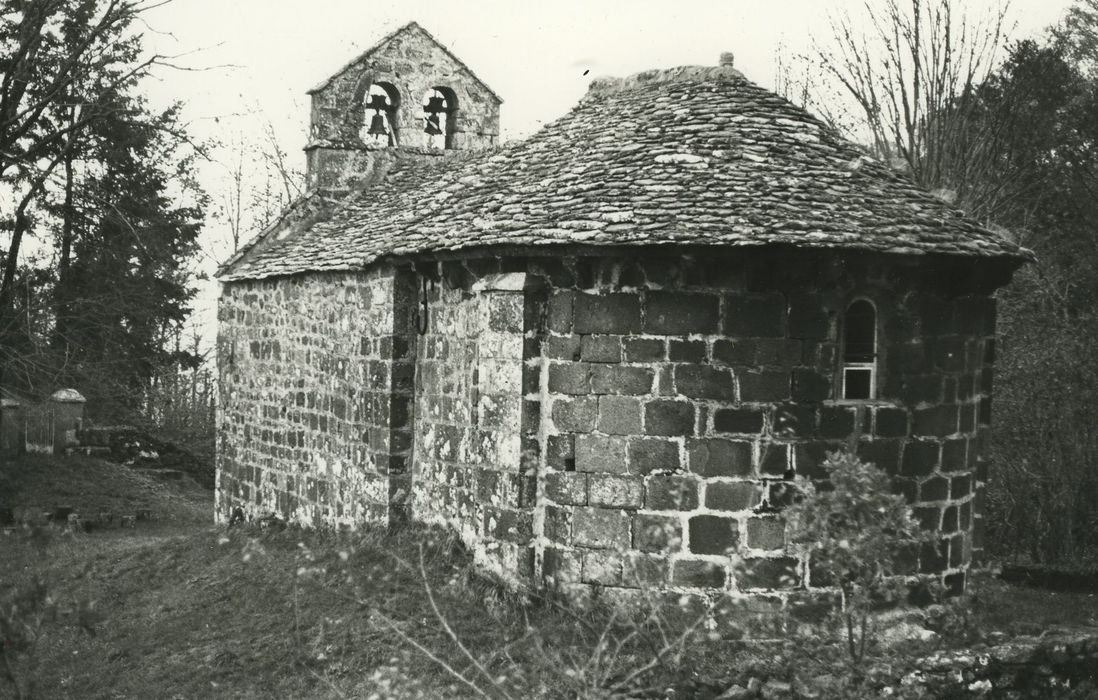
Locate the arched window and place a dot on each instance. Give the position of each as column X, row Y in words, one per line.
column 382, row 102
column 439, row 106
column 860, row 351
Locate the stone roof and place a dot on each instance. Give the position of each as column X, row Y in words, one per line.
column 311, row 206
column 691, row 155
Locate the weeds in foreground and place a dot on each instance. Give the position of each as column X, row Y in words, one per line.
column 488, row 639
column 494, row 642
column 417, row 592
column 235, row 633
column 28, row 608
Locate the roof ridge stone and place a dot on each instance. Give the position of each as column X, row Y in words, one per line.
column 607, row 85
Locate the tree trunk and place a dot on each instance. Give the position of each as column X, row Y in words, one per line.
column 64, row 278
column 7, row 289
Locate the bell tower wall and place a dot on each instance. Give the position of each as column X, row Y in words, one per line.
column 350, row 142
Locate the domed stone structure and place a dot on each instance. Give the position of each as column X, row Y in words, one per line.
column 602, row 353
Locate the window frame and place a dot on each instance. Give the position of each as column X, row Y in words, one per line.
column 872, row 365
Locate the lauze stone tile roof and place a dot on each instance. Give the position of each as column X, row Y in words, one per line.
column 692, row 155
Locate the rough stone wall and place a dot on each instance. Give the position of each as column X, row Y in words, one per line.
column 315, row 397
column 680, row 395
column 615, row 422
column 468, row 470
column 413, row 63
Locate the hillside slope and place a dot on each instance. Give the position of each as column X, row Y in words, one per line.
column 33, row 484
column 186, row 609
column 181, row 608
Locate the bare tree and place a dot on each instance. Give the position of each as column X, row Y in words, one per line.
column 291, row 180
column 912, row 69
column 260, row 184
column 231, row 203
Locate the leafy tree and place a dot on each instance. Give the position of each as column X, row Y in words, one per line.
column 49, row 48
column 127, row 288
column 31, row 321
column 63, row 65
column 1079, row 33
column 1041, row 116
column 1043, row 496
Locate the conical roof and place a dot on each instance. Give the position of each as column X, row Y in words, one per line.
column 691, row 155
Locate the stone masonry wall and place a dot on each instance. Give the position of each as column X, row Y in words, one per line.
column 615, row 422
column 680, row 394
column 315, row 386
column 468, row 467
column 413, row 63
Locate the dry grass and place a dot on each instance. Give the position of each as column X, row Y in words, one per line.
column 32, row 484
column 292, row 614
column 189, row 610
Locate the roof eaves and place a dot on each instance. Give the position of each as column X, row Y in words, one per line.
column 242, row 252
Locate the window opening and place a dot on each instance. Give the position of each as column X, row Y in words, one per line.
column 382, row 101
column 860, row 351
column 438, row 112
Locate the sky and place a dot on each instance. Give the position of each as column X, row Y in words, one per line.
column 250, row 62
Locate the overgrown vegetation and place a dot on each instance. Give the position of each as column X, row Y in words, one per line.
column 862, row 539
column 185, row 609
column 1044, row 488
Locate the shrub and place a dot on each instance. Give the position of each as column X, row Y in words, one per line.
column 860, row 537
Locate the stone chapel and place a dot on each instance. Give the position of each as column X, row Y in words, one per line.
column 600, row 353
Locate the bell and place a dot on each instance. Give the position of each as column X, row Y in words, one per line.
column 433, row 126
column 435, row 105
column 377, row 126
column 378, row 102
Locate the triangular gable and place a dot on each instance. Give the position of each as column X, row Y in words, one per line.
column 411, row 26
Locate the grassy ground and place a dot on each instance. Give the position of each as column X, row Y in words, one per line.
column 186, row 609
column 33, row 484
column 1015, row 609
column 289, row 614
column 183, row 609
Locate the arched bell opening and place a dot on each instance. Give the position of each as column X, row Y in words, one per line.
column 380, row 123
column 439, row 110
